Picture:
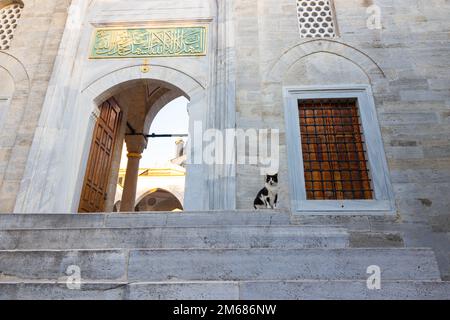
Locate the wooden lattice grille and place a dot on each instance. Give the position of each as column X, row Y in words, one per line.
column 334, row 156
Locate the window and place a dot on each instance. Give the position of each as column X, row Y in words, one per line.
column 316, row 19
column 9, row 18
column 334, row 157
column 335, row 151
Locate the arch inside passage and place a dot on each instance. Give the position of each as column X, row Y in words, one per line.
column 142, row 99
column 124, row 116
column 159, row 200
column 131, row 81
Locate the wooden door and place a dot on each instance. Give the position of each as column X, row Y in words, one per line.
column 94, row 193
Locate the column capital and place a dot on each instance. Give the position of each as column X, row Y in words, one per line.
column 135, row 145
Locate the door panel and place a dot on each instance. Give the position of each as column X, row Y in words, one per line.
column 94, row 193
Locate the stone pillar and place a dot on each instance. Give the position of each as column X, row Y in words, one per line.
column 222, row 177
column 135, row 147
column 53, row 131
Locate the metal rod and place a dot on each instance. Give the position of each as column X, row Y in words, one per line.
column 154, row 135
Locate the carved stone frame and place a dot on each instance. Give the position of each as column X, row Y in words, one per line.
column 384, row 203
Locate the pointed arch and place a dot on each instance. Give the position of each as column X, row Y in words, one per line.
column 300, row 51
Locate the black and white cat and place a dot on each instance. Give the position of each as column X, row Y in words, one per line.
column 267, row 198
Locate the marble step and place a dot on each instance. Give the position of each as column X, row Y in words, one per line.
column 76, row 221
column 225, row 237
column 219, row 265
column 261, row 290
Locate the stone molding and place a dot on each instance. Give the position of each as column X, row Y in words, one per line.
column 276, row 72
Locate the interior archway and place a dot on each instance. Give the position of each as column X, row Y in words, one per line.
column 134, row 105
column 159, row 200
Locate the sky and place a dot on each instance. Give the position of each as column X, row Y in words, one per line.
column 172, row 119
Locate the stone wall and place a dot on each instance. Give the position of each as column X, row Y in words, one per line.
column 411, row 91
column 406, row 63
column 29, row 62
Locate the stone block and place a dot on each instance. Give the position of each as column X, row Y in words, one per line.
column 267, row 264
column 52, row 265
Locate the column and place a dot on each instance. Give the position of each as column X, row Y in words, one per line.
column 135, row 147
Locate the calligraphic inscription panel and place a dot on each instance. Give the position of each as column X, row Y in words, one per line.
column 110, row 43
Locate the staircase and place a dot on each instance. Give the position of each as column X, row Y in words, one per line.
column 233, row 255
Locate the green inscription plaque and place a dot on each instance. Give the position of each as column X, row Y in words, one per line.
column 110, row 43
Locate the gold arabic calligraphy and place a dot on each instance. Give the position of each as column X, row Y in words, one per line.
column 147, row 42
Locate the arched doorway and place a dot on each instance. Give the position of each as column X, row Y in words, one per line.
column 70, row 149
column 123, row 121
column 159, row 200
column 163, row 163
column 54, row 174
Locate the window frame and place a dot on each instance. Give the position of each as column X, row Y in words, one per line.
column 383, row 202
